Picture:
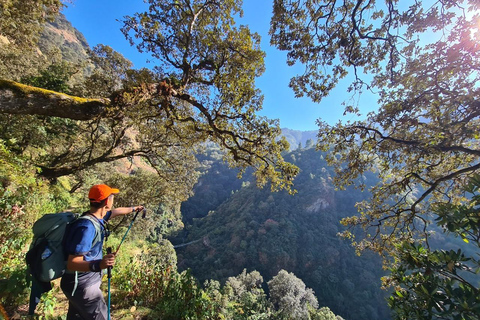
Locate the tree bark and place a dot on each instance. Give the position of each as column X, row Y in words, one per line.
column 17, row 98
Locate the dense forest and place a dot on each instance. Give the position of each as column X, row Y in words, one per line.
column 240, row 226
column 246, row 220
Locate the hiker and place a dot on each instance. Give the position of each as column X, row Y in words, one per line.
column 83, row 243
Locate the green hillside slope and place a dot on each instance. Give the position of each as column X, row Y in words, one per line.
column 255, row 229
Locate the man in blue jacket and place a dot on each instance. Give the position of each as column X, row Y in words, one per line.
column 83, row 244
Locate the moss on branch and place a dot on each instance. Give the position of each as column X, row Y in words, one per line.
column 17, row 98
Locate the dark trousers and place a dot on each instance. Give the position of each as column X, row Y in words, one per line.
column 87, row 302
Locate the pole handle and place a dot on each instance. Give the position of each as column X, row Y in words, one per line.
column 109, row 269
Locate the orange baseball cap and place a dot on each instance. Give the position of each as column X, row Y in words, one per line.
column 101, row 192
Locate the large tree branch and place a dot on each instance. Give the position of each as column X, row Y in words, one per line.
column 418, row 144
column 222, row 135
column 53, row 173
column 17, row 98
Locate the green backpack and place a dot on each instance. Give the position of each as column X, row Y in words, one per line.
column 46, row 258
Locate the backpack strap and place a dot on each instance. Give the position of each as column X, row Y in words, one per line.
column 98, row 227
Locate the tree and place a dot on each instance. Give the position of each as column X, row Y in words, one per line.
column 202, row 52
column 423, row 138
column 442, row 284
column 290, row 296
column 324, row 314
column 203, row 90
column 54, row 77
column 247, row 295
column 423, row 62
column 111, row 73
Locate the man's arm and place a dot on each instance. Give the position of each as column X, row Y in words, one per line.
column 77, row 263
column 125, row 210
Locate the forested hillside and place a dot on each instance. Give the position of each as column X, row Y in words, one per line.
column 240, row 226
column 60, row 34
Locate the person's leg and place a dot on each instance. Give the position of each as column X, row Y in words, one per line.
column 88, row 300
column 72, row 313
column 91, row 304
column 67, row 288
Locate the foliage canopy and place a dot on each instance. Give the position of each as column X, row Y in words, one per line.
column 201, row 91
column 422, row 60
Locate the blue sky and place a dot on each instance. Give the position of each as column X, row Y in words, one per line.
column 97, row 20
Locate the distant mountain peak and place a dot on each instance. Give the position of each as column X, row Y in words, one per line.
column 62, row 35
column 297, row 137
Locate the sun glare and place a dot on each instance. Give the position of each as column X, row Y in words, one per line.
column 475, row 32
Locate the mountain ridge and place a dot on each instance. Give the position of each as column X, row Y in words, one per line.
column 297, row 138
